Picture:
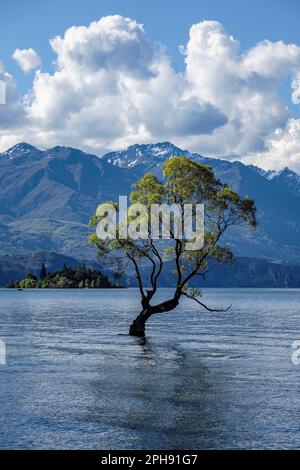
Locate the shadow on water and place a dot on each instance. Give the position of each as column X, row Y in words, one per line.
column 158, row 398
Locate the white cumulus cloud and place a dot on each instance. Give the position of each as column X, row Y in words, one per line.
column 27, row 59
column 12, row 112
column 112, row 87
column 296, row 90
column 244, row 85
column 282, row 148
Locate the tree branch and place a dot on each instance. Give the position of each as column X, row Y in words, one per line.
column 194, row 271
column 205, row 306
column 138, row 276
column 157, row 254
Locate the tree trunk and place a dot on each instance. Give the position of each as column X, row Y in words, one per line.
column 137, row 327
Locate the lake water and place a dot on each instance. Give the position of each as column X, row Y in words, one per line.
column 75, row 380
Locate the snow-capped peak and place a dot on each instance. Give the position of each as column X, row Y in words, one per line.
column 288, row 179
column 20, row 150
column 148, row 155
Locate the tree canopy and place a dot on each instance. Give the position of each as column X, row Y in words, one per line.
column 183, row 182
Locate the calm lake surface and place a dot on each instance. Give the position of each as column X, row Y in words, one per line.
column 201, row 380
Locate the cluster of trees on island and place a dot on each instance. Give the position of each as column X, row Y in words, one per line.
column 65, row 278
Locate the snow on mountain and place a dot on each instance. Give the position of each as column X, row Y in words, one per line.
column 146, row 155
column 47, row 196
column 151, row 157
column 20, row 150
column 286, row 179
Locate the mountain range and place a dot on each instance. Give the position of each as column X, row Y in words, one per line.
column 48, row 195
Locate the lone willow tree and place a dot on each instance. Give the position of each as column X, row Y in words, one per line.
column 184, row 182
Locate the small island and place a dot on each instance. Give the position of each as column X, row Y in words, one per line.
column 65, row 278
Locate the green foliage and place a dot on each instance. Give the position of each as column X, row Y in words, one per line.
column 28, row 283
column 189, row 182
column 65, row 278
column 184, row 182
column 62, row 282
column 148, row 190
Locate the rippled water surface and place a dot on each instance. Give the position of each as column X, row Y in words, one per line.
column 201, row 380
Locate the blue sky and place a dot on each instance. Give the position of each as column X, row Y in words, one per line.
column 225, row 94
column 31, row 23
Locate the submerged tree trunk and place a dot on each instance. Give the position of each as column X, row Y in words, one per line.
column 137, row 327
